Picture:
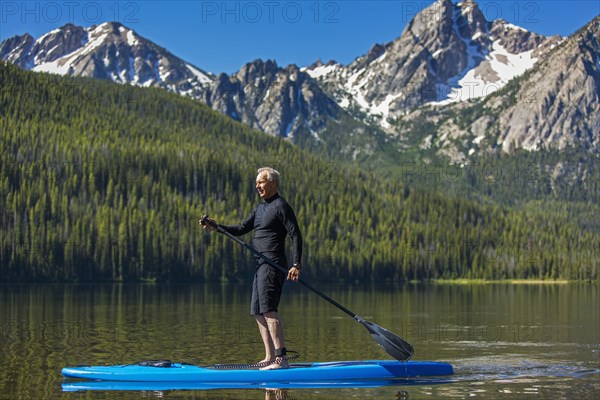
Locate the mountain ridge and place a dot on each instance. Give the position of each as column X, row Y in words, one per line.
column 107, row 51
column 447, row 55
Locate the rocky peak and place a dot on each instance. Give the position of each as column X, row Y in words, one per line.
column 106, row 51
column 278, row 101
column 434, row 20
column 58, row 43
column 518, row 40
column 257, row 69
column 16, row 49
column 319, row 63
column 470, row 21
column 447, row 53
column 374, row 53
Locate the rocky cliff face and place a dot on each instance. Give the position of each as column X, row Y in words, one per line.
column 279, row 101
column 558, row 107
column 17, row 50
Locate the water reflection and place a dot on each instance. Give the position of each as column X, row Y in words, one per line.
column 276, row 394
column 271, row 390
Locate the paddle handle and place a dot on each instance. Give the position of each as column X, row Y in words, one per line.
column 204, row 220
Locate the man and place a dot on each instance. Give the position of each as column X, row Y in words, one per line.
column 272, row 221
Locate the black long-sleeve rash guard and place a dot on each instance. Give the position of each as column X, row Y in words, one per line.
column 272, row 221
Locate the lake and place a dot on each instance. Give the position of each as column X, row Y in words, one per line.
column 505, row 341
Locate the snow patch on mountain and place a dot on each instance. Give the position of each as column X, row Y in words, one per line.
column 486, row 77
column 508, row 65
column 321, row 71
column 511, row 26
column 59, row 67
column 132, row 40
column 201, row 76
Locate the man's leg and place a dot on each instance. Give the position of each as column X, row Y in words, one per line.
column 267, row 288
column 275, row 330
column 265, row 335
column 275, row 326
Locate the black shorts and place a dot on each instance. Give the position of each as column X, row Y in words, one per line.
column 266, row 289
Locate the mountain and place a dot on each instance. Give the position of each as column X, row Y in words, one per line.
column 559, row 107
column 447, row 53
column 453, row 85
column 555, row 105
column 107, row 51
column 279, row 101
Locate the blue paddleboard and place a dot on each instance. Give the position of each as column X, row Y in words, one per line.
column 298, row 372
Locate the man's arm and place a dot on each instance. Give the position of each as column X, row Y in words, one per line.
column 293, row 229
column 243, row 227
column 237, row 230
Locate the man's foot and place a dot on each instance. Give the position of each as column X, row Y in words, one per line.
column 262, row 363
column 279, row 363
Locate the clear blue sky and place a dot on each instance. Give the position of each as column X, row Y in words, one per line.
column 221, row 36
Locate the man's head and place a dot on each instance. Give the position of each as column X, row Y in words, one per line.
column 267, row 182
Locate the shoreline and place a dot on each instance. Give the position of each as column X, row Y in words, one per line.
column 510, row 281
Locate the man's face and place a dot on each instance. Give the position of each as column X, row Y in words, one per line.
column 265, row 188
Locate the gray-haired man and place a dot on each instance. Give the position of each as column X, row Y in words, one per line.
column 272, row 221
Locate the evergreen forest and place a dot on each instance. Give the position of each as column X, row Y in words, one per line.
column 105, row 182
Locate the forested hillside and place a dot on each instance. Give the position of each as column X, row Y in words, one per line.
column 101, row 181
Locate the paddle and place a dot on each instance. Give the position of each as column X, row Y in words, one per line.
column 391, row 343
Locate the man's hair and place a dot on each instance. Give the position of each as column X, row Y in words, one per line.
column 272, row 175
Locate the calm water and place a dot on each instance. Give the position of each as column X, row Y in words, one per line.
column 505, row 341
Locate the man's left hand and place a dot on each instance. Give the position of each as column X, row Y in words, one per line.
column 293, row 274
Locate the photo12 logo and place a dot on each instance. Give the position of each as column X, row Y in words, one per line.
column 517, row 11
column 90, row 12
column 252, row 12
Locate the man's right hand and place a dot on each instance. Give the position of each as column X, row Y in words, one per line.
column 207, row 223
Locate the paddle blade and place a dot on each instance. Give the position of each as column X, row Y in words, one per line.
column 391, row 343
